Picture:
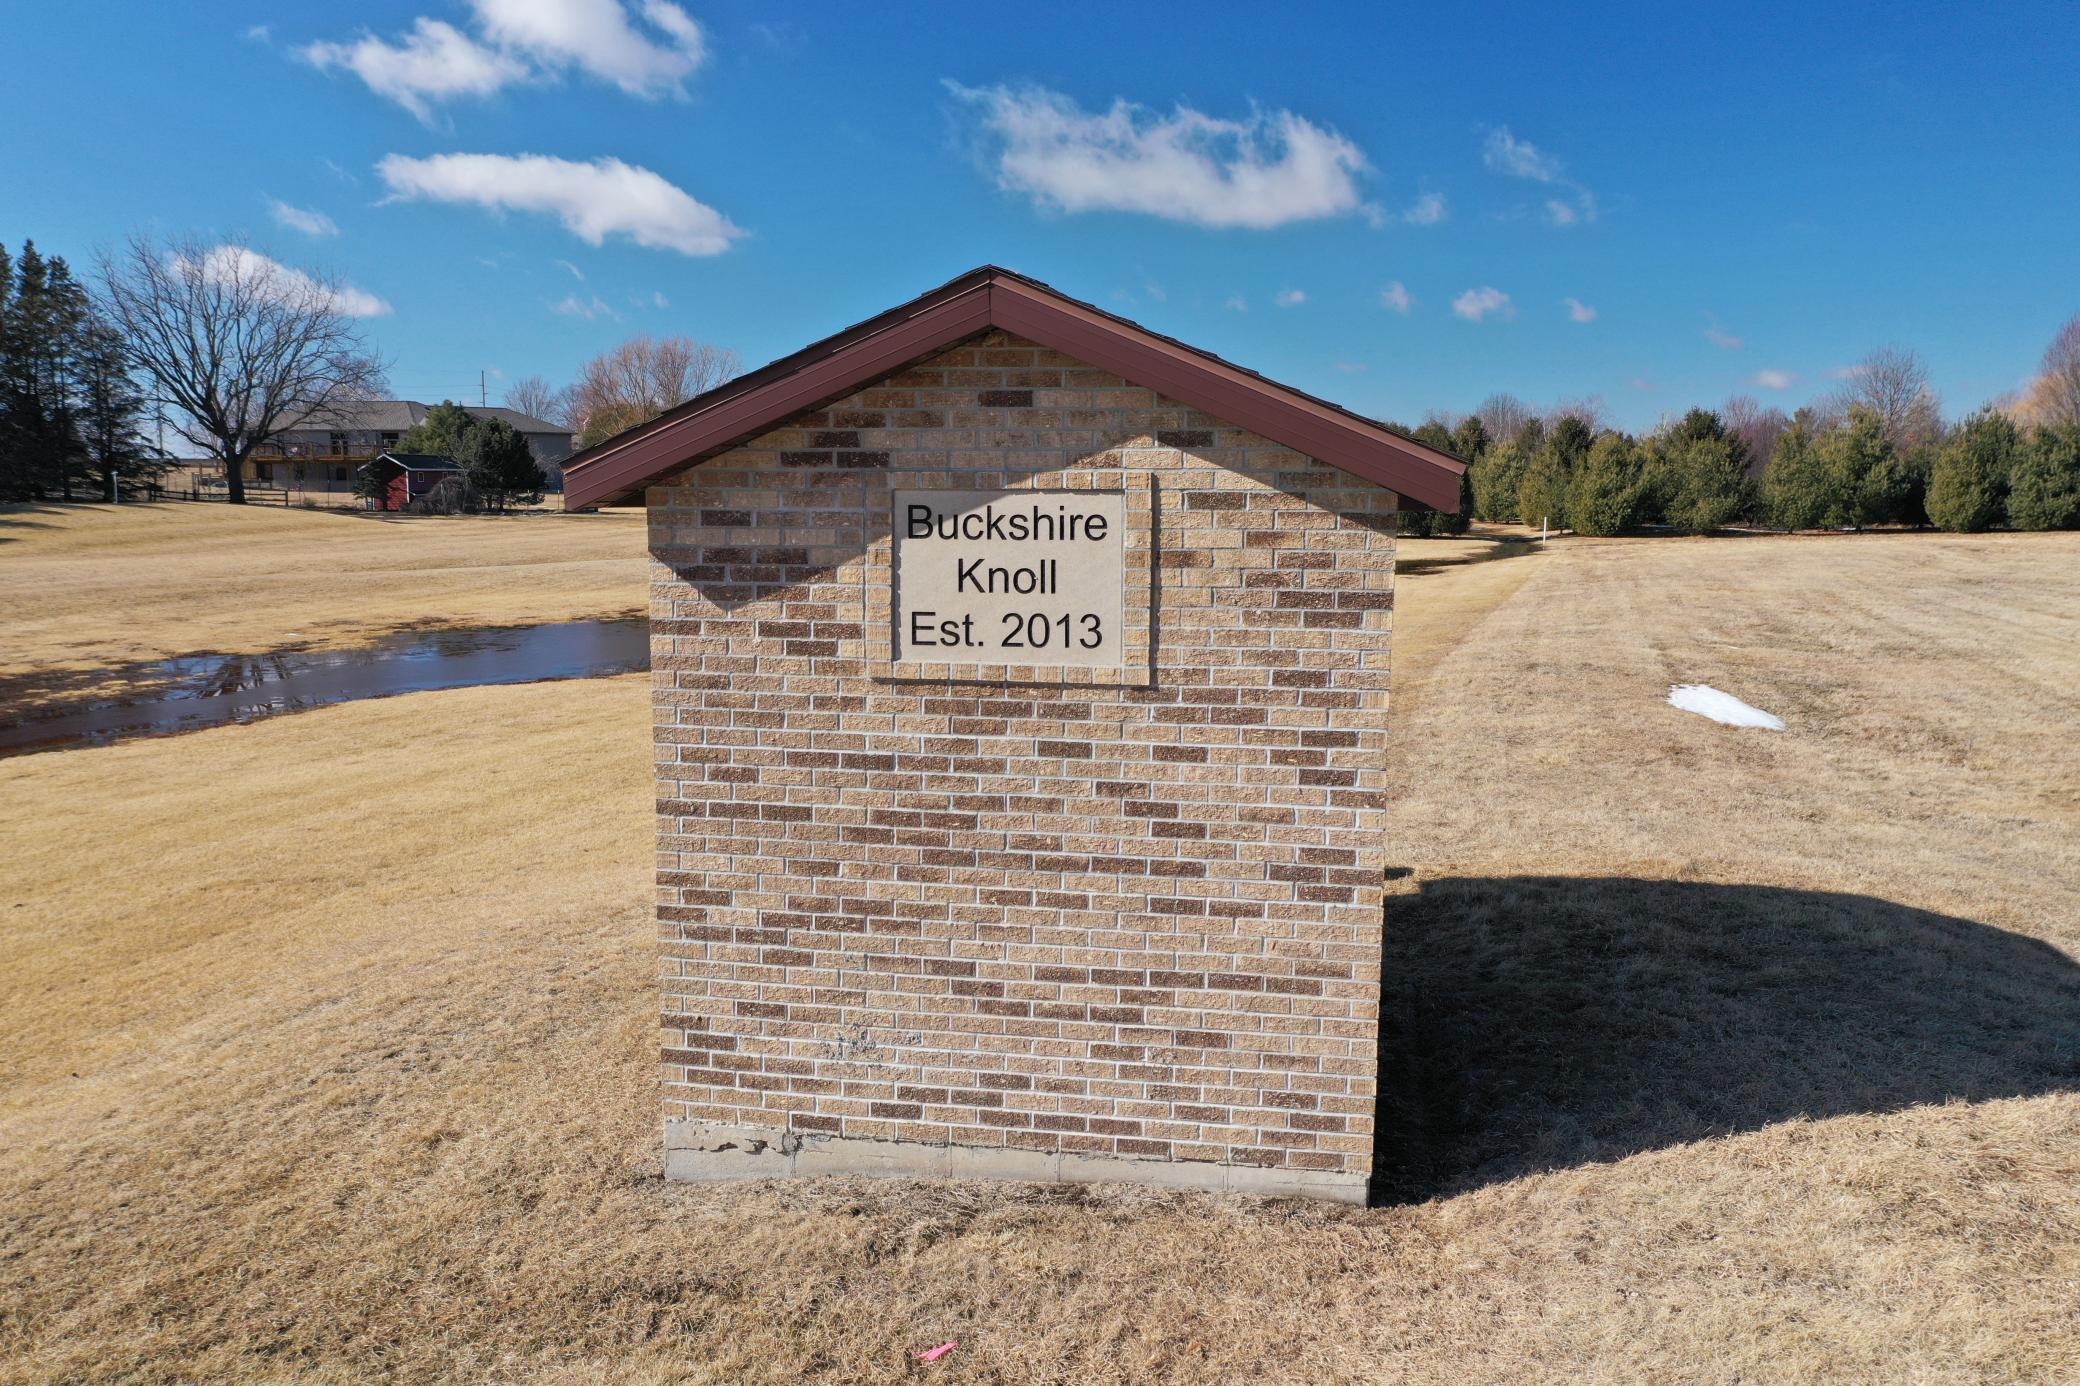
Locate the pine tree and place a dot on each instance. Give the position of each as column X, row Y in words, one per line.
column 1798, row 489
column 1495, row 477
column 1967, row 491
column 1867, row 483
column 496, row 461
column 1709, row 484
column 111, row 412
column 1603, row 496
column 1542, row 489
column 10, row 483
column 44, row 324
column 2044, row 486
column 444, row 432
column 1470, row 439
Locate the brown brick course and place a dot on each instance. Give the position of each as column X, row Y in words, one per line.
column 1130, row 922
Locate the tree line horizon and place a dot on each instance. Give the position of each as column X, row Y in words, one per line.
column 228, row 349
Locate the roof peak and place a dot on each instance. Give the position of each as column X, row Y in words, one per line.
column 991, row 296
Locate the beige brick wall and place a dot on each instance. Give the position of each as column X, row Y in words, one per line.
column 1130, row 922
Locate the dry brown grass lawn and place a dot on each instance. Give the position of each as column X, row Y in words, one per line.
column 329, row 1042
column 93, row 589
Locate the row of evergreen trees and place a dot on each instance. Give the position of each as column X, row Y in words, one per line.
column 1694, row 476
column 71, row 414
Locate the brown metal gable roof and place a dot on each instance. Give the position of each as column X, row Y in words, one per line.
column 977, row 301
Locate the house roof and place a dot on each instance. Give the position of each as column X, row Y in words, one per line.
column 985, row 298
column 398, row 415
column 419, row 461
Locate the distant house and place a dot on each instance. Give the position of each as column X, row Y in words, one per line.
column 407, row 476
column 316, row 458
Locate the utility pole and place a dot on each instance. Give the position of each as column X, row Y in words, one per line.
column 483, row 400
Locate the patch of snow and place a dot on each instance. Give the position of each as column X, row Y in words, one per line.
column 1707, row 701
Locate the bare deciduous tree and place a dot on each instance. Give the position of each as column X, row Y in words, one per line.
column 1892, row 382
column 238, row 346
column 2055, row 394
column 1589, row 409
column 640, row 379
column 1504, row 416
column 1756, row 427
column 537, row 399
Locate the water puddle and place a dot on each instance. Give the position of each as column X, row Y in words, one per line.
column 194, row 691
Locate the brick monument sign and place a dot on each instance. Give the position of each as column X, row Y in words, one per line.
column 1020, row 683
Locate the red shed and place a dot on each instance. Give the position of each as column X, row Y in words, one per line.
column 410, row 475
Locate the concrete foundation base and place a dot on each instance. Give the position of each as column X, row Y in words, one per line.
column 704, row 1151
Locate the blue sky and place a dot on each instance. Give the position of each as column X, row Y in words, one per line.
column 1740, row 201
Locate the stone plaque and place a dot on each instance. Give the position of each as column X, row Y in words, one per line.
column 1010, row 577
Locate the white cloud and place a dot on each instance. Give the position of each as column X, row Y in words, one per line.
column 436, row 62
column 1579, row 311
column 519, row 40
column 1427, row 210
column 304, row 219
column 1237, row 304
column 1504, row 153
column 593, row 201
column 659, row 300
column 598, row 37
column 1395, row 298
column 1289, row 298
column 1773, row 380
column 576, row 273
column 1507, row 154
column 1721, row 338
column 571, row 306
column 1642, row 384
column 1269, row 170
column 1847, row 372
column 242, row 264
column 1351, row 367
column 1476, row 304
column 259, row 33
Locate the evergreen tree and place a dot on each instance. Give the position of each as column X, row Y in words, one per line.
column 39, row 357
column 1470, row 439
column 1603, row 496
column 496, row 461
column 1797, row 489
column 1460, row 520
column 444, row 432
column 1542, row 489
column 1967, row 491
column 1708, row 483
column 111, row 413
column 1495, row 477
column 1867, row 483
column 2044, row 487
column 1668, row 473
column 1570, row 441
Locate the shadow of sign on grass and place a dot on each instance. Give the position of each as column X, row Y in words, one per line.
column 1533, row 1023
